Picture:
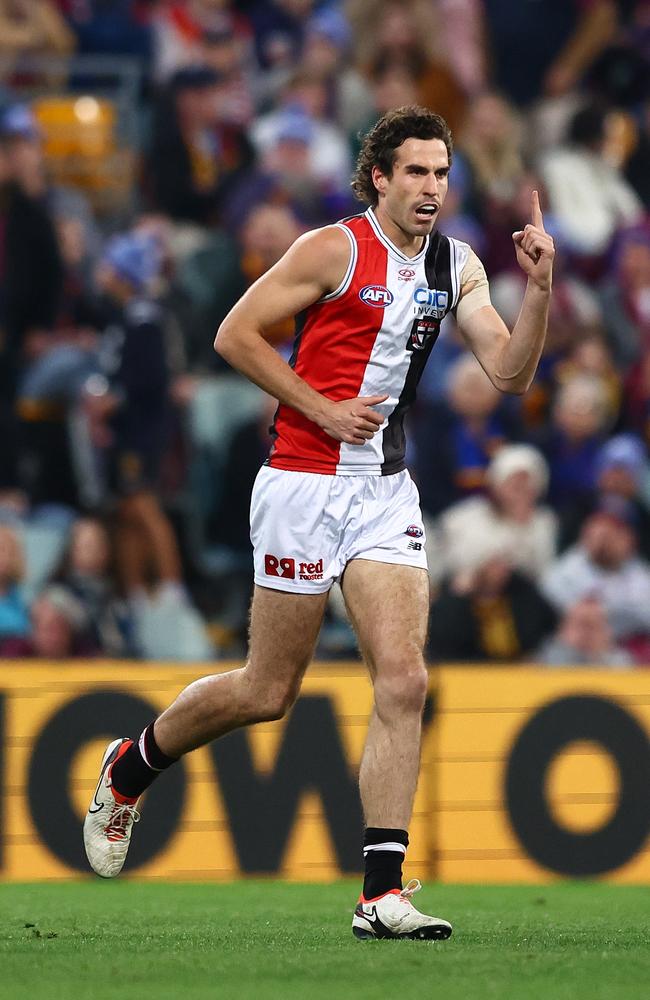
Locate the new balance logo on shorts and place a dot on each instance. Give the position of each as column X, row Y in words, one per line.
column 286, row 568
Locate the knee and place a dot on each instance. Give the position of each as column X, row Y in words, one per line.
column 401, row 687
column 271, row 700
column 274, row 703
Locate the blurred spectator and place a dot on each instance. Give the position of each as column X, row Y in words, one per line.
column 491, row 145
column 247, row 452
column 590, row 356
column 32, row 257
column 604, row 564
column 197, row 32
column 589, row 195
column 545, row 48
column 583, row 638
column 225, row 48
column 626, row 296
column 508, row 520
column 31, row 276
column 58, row 629
column 408, row 36
column 637, row 167
column 194, row 154
column 301, row 117
column 279, row 27
column 488, row 613
column 575, row 313
column 32, row 26
column 455, row 440
column 620, row 471
column 637, row 399
column 621, row 74
column 114, row 28
column 128, row 409
column 462, row 32
column 22, row 138
column 328, row 40
column 574, row 437
column 390, row 87
column 14, row 617
column 87, row 575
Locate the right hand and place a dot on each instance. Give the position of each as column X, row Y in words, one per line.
column 352, row 420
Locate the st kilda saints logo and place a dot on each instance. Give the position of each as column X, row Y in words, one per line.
column 423, row 333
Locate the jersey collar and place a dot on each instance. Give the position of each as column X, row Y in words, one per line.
column 390, row 246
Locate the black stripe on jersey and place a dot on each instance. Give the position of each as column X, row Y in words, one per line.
column 421, row 338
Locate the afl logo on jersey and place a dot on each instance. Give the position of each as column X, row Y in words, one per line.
column 376, row 295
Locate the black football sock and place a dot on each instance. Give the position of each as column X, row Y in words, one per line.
column 383, row 850
column 139, row 766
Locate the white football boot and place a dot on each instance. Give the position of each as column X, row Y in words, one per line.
column 394, row 916
column 109, row 821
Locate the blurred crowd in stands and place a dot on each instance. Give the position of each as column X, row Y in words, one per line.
column 128, row 229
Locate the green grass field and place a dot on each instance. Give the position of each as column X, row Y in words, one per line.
column 258, row 940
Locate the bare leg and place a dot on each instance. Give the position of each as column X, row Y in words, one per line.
column 144, row 513
column 389, row 608
column 283, row 633
column 132, row 551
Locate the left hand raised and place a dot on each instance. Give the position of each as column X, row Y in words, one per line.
column 535, row 248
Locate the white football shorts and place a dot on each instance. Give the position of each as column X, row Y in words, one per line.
column 305, row 527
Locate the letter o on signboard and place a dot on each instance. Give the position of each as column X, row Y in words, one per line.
column 556, row 725
column 92, row 716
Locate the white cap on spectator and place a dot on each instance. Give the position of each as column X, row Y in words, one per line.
column 518, row 458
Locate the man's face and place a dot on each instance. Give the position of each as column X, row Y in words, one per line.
column 608, row 541
column 414, row 193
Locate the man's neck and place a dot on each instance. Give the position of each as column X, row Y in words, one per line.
column 409, row 245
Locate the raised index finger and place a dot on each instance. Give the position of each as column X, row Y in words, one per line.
column 536, row 211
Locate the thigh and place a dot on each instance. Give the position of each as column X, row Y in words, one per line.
column 283, row 634
column 389, row 608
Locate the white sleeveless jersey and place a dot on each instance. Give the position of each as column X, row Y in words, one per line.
column 370, row 337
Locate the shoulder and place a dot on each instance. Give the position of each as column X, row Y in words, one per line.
column 333, row 239
column 324, row 253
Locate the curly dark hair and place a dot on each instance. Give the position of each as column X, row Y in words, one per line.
column 379, row 145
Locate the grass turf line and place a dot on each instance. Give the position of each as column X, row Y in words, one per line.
column 269, row 940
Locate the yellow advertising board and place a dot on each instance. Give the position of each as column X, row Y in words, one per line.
column 527, row 775
column 279, row 798
column 542, row 773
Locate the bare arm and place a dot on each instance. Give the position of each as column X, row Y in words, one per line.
column 596, row 29
column 313, row 267
column 510, row 360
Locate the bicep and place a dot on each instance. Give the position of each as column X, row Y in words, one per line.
column 275, row 297
column 311, row 269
